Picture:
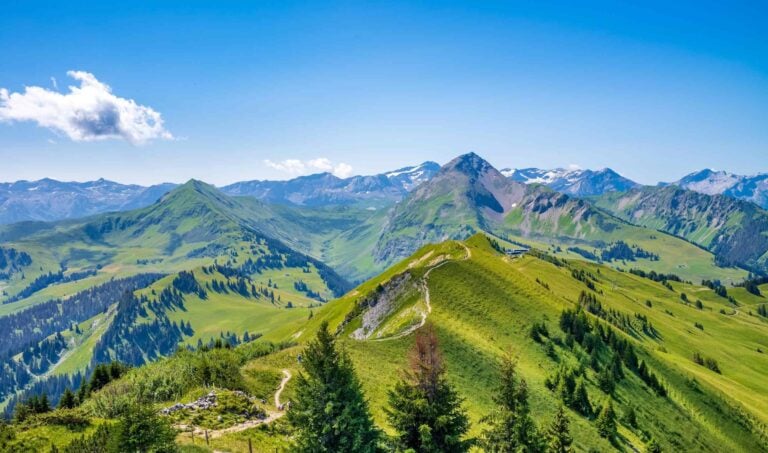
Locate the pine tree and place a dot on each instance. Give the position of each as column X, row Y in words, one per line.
column 580, row 401
column 43, row 405
column 606, row 381
column 630, row 417
column 606, row 421
column 67, row 400
column 329, row 412
column 559, row 434
column 424, row 409
column 141, row 429
column 511, row 427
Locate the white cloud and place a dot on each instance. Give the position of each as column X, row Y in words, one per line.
column 89, row 112
column 296, row 167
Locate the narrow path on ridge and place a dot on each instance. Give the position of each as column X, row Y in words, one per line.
column 427, row 301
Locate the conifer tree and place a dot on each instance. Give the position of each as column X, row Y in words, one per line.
column 580, row 402
column 424, row 409
column 630, row 417
column 511, row 427
column 329, row 412
column 67, row 400
column 559, row 438
column 606, row 421
column 606, row 381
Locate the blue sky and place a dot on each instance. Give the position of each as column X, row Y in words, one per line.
column 654, row 91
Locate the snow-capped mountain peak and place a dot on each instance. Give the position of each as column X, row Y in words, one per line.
column 573, row 181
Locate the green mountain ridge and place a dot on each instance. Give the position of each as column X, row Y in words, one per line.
column 735, row 231
column 468, row 195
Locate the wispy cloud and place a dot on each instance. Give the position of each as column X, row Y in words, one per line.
column 87, row 112
column 296, row 167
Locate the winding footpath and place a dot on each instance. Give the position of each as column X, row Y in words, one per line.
column 425, row 289
column 271, row 416
column 286, row 378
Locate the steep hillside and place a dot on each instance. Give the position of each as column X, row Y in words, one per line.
column 735, row 231
column 484, row 304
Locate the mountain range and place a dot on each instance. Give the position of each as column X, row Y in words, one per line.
column 575, row 182
column 750, row 188
column 201, row 265
column 50, row 200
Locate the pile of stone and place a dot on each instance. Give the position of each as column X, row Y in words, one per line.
column 204, row 402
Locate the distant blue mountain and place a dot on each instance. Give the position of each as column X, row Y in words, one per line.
column 575, row 182
column 750, row 188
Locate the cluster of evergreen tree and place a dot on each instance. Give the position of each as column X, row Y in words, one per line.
column 329, row 412
column 591, row 304
column 716, row 286
column 135, row 343
column 655, row 276
column 186, row 283
column 588, row 278
column 226, row 340
column 46, row 280
column 585, row 253
column 32, row 406
column 568, row 384
column 26, row 331
column 13, row 260
column 708, row 362
column 594, row 338
column 302, row 287
column 139, row 429
column 41, row 356
column 621, row 251
column 53, row 386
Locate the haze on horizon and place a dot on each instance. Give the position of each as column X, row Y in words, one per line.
column 145, row 93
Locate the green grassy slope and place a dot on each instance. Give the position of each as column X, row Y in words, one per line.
column 484, row 306
column 192, row 227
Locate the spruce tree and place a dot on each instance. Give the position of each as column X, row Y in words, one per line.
column 511, row 427
column 329, row 413
column 424, row 409
column 580, row 401
column 606, row 421
column 630, row 417
column 559, row 438
column 606, row 381
column 67, row 400
column 141, row 429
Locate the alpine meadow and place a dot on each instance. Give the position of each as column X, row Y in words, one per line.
column 260, row 227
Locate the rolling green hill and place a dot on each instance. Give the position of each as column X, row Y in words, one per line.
column 483, row 304
column 69, row 273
